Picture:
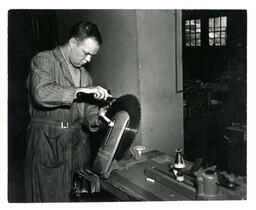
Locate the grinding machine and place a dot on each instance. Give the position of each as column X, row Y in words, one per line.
column 120, row 126
column 172, row 178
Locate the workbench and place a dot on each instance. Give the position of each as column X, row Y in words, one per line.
column 141, row 180
column 131, row 183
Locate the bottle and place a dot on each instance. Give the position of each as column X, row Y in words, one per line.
column 179, row 175
column 179, row 161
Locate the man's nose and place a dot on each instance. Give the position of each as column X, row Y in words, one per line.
column 88, row 58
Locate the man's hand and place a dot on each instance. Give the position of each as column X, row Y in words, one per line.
column 98, row 92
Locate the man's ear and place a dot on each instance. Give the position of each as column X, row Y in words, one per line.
column 72, row 42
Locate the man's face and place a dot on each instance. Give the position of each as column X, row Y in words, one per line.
column 82, row 51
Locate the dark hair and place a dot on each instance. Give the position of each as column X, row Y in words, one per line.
column 82, row 30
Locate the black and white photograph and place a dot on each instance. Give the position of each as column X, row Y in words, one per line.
column 118, row 105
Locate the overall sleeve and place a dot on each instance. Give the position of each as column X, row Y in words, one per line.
column 44, row 89
column 91, row 111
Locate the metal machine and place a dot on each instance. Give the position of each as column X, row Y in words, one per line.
column 122, row 121
column 181, row 179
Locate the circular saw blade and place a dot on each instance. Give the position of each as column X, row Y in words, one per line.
column 130, row 104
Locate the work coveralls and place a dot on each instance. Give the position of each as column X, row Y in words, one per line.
column 56, row 143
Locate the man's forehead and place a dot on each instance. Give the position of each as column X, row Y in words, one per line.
column 90, row 45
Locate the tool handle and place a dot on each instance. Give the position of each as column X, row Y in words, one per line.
column 108, row 121
column 83, row 97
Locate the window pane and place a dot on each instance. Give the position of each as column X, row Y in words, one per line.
column 223, row 21
column 223, row 28
column 217, row 31
column 198, row 24
column 223, row 41
column 217, row 22
column 217, row 28
column 211, row 42
column 193, row 28
column 198, row 42
column 193, row 32
column 192, row 39
column 198, row 36
column 192, row 36
column 217, row 34
column 223, row 34
column 211, row 35
column 198, row 39
column 211, row 22
column 187, row 37
column 217, row 41
column 193, row 42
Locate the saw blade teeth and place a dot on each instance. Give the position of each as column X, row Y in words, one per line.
column 130, row 104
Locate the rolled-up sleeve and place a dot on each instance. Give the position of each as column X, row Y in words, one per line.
column 44, row 89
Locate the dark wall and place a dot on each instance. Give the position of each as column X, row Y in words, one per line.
column 223, row 65
column 208, row 62
column 29, row 31
column 221, row 73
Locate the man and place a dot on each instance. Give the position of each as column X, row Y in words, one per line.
column 56, row 143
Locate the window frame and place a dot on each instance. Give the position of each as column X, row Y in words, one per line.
column 204, row 17
column 197, row 31
column 218, row 28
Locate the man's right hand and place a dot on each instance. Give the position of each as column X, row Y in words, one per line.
column 98, row 92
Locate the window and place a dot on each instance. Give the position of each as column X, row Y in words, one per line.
column 193, row 32
column 218, row 31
